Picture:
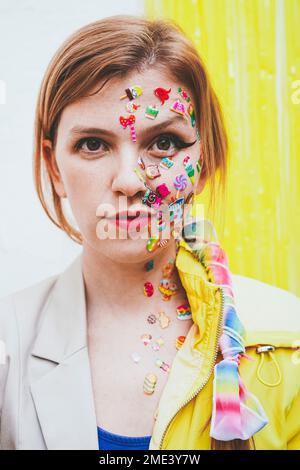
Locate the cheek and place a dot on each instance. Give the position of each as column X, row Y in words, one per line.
column 174, row 181
column 85, row 188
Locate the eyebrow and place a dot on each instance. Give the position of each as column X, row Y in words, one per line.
column 79, row 130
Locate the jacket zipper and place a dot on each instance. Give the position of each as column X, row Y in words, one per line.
column 207, row 378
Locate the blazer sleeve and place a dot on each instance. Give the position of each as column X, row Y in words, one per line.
column 6, row 312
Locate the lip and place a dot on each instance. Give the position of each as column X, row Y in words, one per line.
column 131, row 219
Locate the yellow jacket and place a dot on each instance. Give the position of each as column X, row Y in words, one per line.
column 271, row 316
column 46, row 395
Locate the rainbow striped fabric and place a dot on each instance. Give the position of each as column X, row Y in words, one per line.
column 237, row 413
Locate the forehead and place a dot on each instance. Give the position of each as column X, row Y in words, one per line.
column 104, row 108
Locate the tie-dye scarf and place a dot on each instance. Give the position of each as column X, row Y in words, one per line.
column 237, row 413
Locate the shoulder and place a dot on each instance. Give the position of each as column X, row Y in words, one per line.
column 262, row 306
column 27, row 301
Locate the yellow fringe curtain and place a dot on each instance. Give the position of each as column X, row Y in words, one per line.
column 252, row 51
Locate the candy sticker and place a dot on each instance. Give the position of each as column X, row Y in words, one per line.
column 148, row 289
column 164, row 320
column 167, row 288
column 129, row 121
column 151, row 112
column 162, row 94
column 163, row 190
column 178, row 107
column 187, row 163
column 149, row 383
column 152, row 171
column 132, row 92
column 184, row 312
column 166, row 163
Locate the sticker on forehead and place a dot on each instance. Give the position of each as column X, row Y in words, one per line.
column 184, row 94
column 132, row 107
column 178, row 107
column 132, row 92
column 151, row 112
column 162, row 94
column 129, row 121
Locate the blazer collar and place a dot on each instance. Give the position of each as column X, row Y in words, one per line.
column 61, row 384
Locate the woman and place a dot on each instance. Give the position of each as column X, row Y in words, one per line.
column 145, row 340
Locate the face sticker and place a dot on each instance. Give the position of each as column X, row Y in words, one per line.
column 132, row 92
column 152, row 244
column 166, row 163
column 163, row 190
column 179, row 341
column 151, row 112
column 152, row 171
column 191, row 113
column 184, row 94
column 132, row 107
column 129, row 121
column 148, row 289
column 149, row 265
column 180, row 183
column 184, row 312
column 162, row 94
column 178, row 107
column 150, row 198
column 187, row 163
column 141, row 163
column 176, row 210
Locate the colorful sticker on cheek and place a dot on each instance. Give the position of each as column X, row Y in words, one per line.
column 180, row 184
column 141, row 163
column 162, row 94
column 151, row 112
column 163, row 190
column 187, row 163
column 166, row 163
column 151, row 199
column 152, row 171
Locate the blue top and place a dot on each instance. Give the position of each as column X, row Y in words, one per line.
column 108, row 440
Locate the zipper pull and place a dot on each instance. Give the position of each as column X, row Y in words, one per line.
column 268, row 349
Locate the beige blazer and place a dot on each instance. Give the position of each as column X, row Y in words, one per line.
column 46, row 397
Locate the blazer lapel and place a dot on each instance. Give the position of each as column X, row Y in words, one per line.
column 61, row 384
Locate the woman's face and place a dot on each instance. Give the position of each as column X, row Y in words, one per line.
column 99, row 169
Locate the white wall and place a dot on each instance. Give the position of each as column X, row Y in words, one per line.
column 31, row 247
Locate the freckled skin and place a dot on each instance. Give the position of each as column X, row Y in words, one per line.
column 105, row 175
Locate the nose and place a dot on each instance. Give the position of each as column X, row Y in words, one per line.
column 125, row 180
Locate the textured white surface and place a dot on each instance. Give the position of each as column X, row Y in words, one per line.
column 31, row 247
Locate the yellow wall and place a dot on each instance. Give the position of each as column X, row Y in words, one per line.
column 252, row 51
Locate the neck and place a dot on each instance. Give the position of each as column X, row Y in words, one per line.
column 117, row 289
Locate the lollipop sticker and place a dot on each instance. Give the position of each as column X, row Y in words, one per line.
column 132, row 92
column 129, row 121
column 180, row 184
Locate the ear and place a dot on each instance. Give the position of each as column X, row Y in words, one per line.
column 52, row 168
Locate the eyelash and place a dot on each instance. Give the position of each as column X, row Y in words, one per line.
column 175, row 139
